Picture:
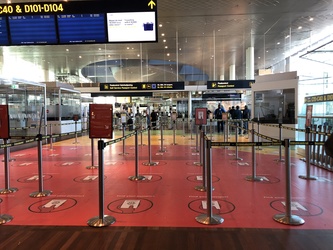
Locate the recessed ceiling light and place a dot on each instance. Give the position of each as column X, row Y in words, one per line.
column 160, row 25
column 311, row 19
column 299, row 27
column 162, row 34
column 278, row 43
column 67, row 49
column 166, row 47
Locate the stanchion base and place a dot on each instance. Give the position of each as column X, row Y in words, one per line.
column 238, row 159
column 200, row 188
column 293, row 220
column 254, row 178
column 38, row 194
column 162, row 150
column 279, row 160
column 4, row 218
column 91, row 167
column 76, row 142
column 174, row 144
column 196, row 163
column 98, row 222
column 8, row 190
column 258, row 148
column 137, row 178
column 310, row 177
column 150, row 163
column 205, row 219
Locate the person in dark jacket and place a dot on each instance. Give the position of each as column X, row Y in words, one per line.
column 238, row 115
column 329, row 146
column 246, row 115
column 218, row 116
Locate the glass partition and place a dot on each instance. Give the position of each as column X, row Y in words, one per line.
column 25, row 101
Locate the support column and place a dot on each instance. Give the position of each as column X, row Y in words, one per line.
column 232, row 72
column 250, row 63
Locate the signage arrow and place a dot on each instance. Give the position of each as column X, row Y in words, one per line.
column 151, row 4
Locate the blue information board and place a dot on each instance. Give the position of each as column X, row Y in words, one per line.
column 3, row 32
column 33, row 29
column 82, row 28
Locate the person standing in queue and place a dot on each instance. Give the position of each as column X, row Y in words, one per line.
column 247, row 116
column 153, row 117
column 237, row 116
column 218, row 116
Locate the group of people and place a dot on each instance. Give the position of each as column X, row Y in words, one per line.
column 233, row 113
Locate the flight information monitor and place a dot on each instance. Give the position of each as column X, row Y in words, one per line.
column 32, row 29
column 82, row 28
column 78, row 22
column 3, row 32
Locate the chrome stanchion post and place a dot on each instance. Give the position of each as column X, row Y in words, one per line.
column 162, row 147
column 307, row 157
column 123, row 153
column 150, row 162
column 75, row 142
column 209, row 218
column 196, row 138
column 136, row 177
column 7, row 189
column 174, row 133
column 236, row 147
column 211, row 129
column 200, row 148
column 203, row 149
column 258, row 148
column 254, row 163
column 280, row 139
column 41, row 192
column 51, row 139
column 191, row 130
column 101, row 220
column 92, row 166
column 288, row 218
column 183, row 125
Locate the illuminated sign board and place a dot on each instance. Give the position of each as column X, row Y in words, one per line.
column 76, row 22
column 230, row 84
column 319, row 98
column 142, row 86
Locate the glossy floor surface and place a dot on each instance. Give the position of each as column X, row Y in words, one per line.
column 168, row 198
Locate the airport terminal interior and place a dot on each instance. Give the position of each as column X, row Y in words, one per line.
column 166, row 125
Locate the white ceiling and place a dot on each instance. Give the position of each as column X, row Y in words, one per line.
column 211, row 35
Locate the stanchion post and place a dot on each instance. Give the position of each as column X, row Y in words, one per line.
column 150, row 162
column 287, row 218
column 191, row 130
column 136, row 177
column 203, row 149
column 51, row 139
column 101, row 220
column 254, row 176
column 41, row 192
column 123, row 153
column 92, row 166
column 174, row 133
column 200, row 148
column 162, row 147
column 280, row 147
column 258, row 148
column 209, row 218
column 196, row 138
column 236, row 147
column 7, row 189
column 307, row 157
column 75, row 142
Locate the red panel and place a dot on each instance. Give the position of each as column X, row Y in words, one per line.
column 100, row 121
column 4, row 122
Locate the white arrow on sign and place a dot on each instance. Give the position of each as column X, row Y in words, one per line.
column 130, row 203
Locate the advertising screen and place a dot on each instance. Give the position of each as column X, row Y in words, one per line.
column 3, row 32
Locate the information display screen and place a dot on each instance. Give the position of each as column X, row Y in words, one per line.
column 32, row 29
column 82, row 28
column 75, row 22
column 3, row 32
column 122, row 27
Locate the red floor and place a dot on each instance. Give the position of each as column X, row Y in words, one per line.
column 168, row 196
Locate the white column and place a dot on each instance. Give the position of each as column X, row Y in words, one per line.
column 250, row 63
column 189, row 105
column 232, row 72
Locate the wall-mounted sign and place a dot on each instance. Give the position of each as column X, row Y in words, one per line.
column 319, row 98
column 145, row 86
column 230, row 84
column 100, row 121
